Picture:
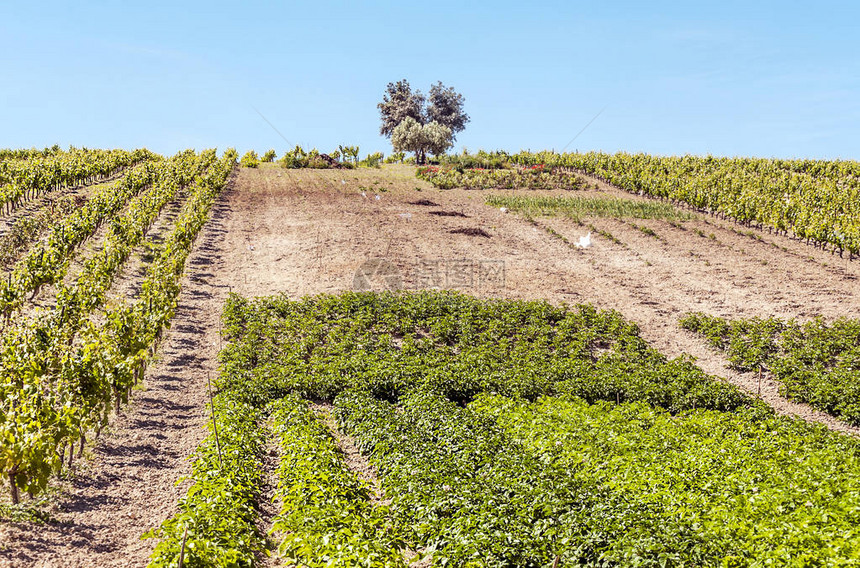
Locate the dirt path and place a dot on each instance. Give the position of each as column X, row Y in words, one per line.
column 308, row 232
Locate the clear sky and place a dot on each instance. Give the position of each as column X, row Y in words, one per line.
column 727, row 78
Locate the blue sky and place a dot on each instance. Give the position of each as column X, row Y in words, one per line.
column 727, row 78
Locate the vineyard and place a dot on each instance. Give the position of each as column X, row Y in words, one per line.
column 320, row 361
column 814, row 200
column 64, row 364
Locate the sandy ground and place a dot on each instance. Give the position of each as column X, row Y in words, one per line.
column 309, row 232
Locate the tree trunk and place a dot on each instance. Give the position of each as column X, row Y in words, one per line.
column 13, row 486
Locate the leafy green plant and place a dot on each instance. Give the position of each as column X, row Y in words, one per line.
column 326, row 518
column 215, row 525
column 578, row 208
column 701, row 488
column 249, row 159
column 815, row 362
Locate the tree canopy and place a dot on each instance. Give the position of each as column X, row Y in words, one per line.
column 445, row 106
column 399, row 103
column 429, row 123
column 432, row 138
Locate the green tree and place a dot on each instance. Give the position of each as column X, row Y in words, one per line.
column 443, row 108
column 423, row 139
column 399, row 103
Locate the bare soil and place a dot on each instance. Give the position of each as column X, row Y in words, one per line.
column 313, row 231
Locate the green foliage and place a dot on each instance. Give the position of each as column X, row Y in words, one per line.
column 349, row 152
column 326, row 517
column 422, row 139
column 29, row 228
column 294, row 159
column 396, row 157
column 399, row 103
column 444, row 107
column 219, row 511
column 639, row 461
column 534, row 178
column 269, row 156
column 816, row 200
column 702, row 488
column 249, row 160
column 46, row 263
column 815, row 362
column 65, row 369
column 470, row 495
column 372, row 160
column 34, row 174
column 499, row 160
column 578, row 208
column 298, row 158
column 455, row 345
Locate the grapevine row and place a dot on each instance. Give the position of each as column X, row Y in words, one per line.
column 22, row 180
column 46, row 263
column 28, row 228
column 54, row 388
column 815, row 201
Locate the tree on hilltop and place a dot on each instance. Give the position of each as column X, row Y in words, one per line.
column 420, row 124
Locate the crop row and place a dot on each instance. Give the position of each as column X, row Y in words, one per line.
column 466, row 493
column 458, row 346
column 635, row 460
column 21, row 180
column 445, row 178
column 816, row 201
column 702, row 488
column 28, row 153
column 46, row 262
column 578, row 208
column 29, row 228
column 56, row 386
column 327, row 518
column 216, row 522
column 506, row 482
column 815, row 362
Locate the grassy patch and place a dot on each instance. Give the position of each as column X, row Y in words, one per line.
column 577, row 207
